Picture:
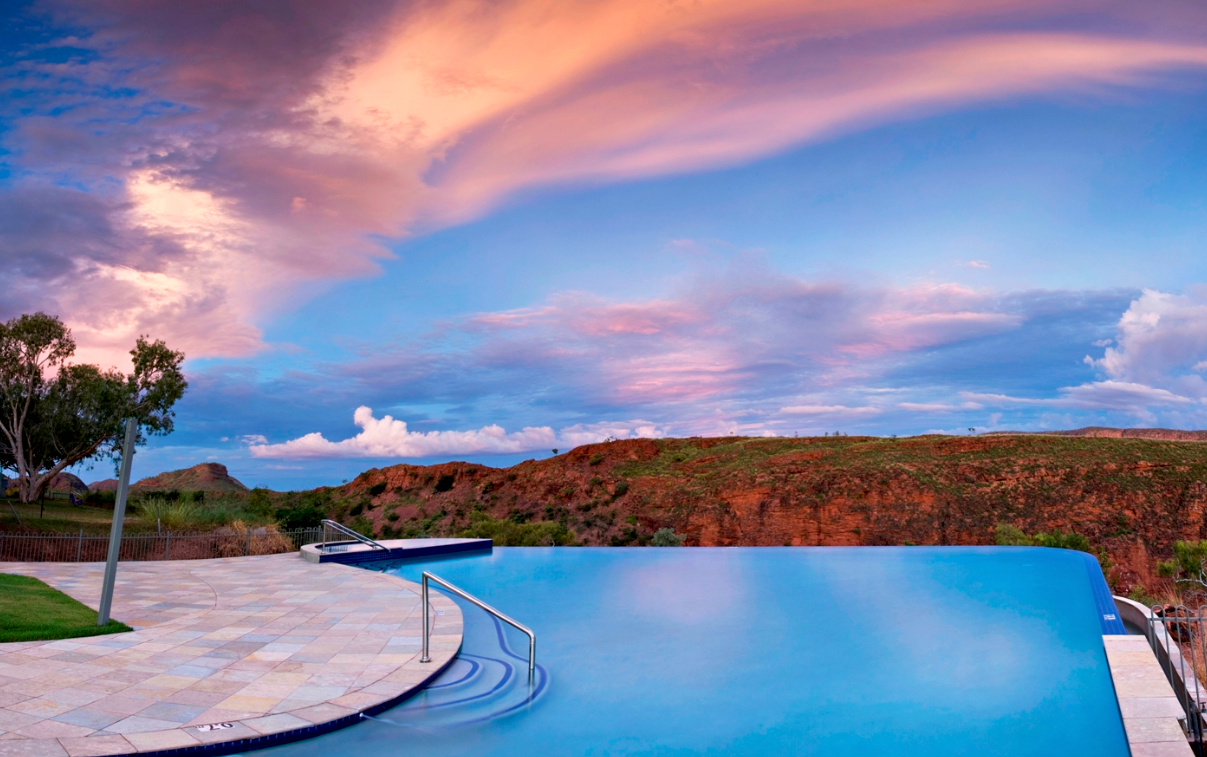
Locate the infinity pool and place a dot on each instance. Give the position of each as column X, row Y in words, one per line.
column 764, row 651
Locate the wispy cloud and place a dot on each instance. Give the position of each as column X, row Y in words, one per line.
column 200, row 166
column 831, row 410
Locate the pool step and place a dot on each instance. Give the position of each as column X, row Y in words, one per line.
column 483, row 684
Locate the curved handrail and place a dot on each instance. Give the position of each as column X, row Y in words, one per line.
column 340, row 528
column 465, row 595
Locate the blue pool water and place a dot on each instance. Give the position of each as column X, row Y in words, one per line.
column 763, row 651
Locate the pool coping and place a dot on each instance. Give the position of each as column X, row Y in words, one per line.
column 1147, row 705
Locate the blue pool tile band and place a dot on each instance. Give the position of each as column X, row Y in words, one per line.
column 1108, row 615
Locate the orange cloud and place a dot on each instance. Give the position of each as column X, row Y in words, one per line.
column 302, row 140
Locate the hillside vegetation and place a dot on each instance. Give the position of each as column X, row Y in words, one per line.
column 1131, row 498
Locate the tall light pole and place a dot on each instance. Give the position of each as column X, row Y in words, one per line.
column 119, row 515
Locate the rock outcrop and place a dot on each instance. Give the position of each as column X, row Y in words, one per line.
column 206, row 477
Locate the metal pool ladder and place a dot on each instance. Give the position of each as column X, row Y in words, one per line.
column 328, row 545
column 469, row 597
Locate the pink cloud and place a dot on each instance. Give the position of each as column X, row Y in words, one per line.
column 297, row 136
column 732, row 330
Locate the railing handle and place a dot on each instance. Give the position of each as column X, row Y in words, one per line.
column 426, row 657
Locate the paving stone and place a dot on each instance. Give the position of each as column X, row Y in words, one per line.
column 262, row 643
column 96, row 746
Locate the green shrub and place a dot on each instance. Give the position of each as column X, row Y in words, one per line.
column 1012, row 536
column 301, row 515
column 507, row 533
column 596, row 459
column 665, row 537
column 259, row 502
column 376, row 489
column 1188, row 566
column 1060, row 540
column 445, row 482
column 620, row 489
column 173, row 516
column 362, row 525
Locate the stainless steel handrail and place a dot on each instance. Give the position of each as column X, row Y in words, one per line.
column 469, row 597
column 342, row 529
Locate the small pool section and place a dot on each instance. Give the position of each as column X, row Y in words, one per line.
column 764, row 651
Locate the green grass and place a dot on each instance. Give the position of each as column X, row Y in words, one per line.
column 32, row 611
column 185, row 514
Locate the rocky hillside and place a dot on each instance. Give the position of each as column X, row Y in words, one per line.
column 1102, row 432
column 67, row 482
column 1131, row 497
column 206, row 477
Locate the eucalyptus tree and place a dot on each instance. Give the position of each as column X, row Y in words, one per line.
column 54, row 414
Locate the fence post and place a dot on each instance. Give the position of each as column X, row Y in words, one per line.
column 79, row 547
column 167, row 544
column 247, row 548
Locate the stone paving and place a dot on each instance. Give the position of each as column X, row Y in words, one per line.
column 224, row 651
column 1147, row 703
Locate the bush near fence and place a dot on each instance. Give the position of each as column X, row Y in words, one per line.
column 222, row 542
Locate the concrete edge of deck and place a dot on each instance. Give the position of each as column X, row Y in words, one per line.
column 275, row 594
column 353, row 552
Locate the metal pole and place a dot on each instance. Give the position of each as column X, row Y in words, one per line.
column 425, row 657
column 79, row 548
column 119, row 514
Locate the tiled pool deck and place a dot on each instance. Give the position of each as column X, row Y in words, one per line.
column 271, row 647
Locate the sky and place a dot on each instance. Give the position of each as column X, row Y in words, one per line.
column 391, row 232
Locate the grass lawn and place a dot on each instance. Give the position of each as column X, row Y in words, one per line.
column 58, row 517
column 32, row 611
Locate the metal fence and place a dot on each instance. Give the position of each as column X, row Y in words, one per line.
column 224, row 542
column 1176, row 635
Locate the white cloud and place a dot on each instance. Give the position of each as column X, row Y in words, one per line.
column 1099, row 395
column 387, row 437
column 978, row 264
column 935, row 407
column 252, row 439
column 829, row 410
column 1159, row 338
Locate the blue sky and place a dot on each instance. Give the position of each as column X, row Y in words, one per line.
column 934, row 221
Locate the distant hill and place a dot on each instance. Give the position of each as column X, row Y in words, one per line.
column 206, row 477
column 104, row 485
column 67, row 482
column 1104, row 432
